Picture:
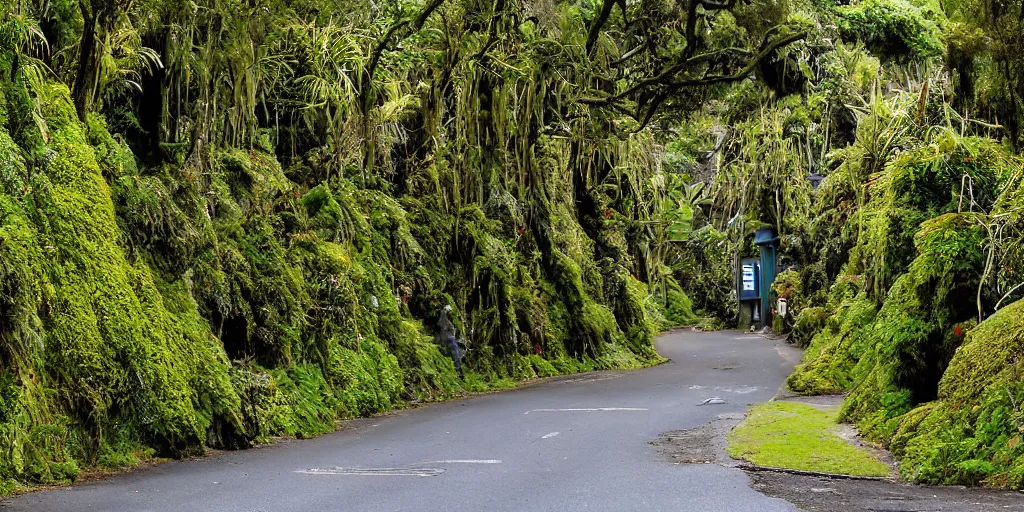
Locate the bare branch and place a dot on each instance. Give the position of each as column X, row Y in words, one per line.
column 630, row 54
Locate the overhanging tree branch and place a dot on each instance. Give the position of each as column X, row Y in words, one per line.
column 666, row 79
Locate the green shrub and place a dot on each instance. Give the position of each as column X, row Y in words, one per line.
column 807, row 324
column 891, row 28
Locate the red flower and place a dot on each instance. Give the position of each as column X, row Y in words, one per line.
column 958, row 331
column 607, row 213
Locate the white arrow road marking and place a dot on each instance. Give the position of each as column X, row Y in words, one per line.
column 592, row 409
column 549, row 436
column 712, row 400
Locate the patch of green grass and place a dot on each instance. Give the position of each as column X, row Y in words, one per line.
column 797, row 436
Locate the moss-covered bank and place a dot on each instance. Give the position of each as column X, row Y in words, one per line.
column 165, row 310
column 930, row 257
column 974, row 432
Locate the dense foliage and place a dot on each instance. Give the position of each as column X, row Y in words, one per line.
column 224, row 221
column 911, row 249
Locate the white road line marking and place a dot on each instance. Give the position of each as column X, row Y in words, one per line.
column 410, row 470
column 591, row 409
column 372, row 471
column 742, row 390
column 461, row 461
column 549, row 436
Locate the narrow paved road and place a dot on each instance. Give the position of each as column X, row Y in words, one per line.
column 571, row 444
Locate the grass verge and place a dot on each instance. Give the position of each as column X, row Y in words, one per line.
column 798, row 436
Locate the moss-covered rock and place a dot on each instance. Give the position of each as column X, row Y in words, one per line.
column 834, row 351
column 973, row 434
column 918, row 328
column 807, row 325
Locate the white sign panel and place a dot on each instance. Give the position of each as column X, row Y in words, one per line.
column 748, row 278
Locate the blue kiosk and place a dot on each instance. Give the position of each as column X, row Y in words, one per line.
column 756, row 276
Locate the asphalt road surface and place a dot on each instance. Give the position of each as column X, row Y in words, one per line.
column 578, row 443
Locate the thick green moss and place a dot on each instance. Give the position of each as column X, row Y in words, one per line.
column 836, row 348
column 672, row 305
column 808, row 323
column 892, row 28
column 974, row 433
column 103, row 365
column 916, row 331
column 916, row 186
column 788, row 285
column 161, row 310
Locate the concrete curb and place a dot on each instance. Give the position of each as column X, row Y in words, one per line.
column 801, row 472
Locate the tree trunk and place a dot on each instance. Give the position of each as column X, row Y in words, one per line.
column 82, row 92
